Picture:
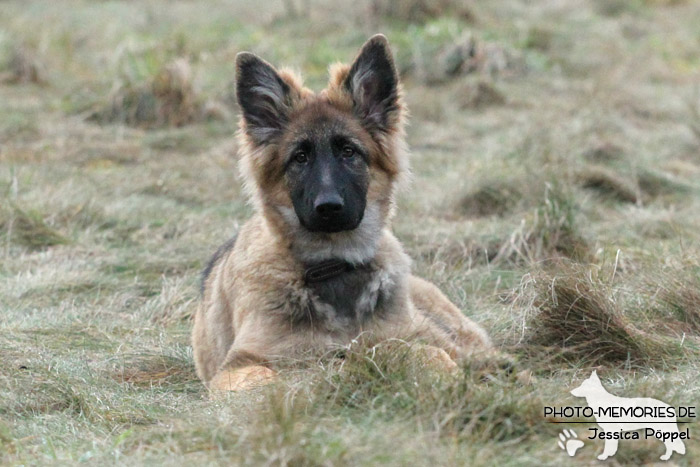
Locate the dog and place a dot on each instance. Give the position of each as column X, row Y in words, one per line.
column 317, row 265
column 601, row 401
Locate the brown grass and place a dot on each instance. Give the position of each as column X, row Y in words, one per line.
column 490, row 198
column 168, row 99
column 152, row 370
column 676, row 293
column 604, row 152
column 27, row 228
column 479, row 94
column 694, row 110
column 551, row 232
column 580, row 315
column 389, row 378
column 656, row 184
column 23, row 67
column 420, row 11
column 608, row 184
column 438, row 62
column 38, row 391
column 539, row 38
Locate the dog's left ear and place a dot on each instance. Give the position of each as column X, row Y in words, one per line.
column 264, row 97
column 374, row 86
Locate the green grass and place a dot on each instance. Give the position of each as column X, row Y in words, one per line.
column 565, row 220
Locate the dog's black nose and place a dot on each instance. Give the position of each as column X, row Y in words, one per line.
column 328, row 204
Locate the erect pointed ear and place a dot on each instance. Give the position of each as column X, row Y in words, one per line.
column 374, row 86
column 263, row 96
column 594, row 375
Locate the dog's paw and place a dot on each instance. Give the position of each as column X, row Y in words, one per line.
column 241, row 379
column 493, row 364
column 490, row 360
column 435, row 358
column 569, row 442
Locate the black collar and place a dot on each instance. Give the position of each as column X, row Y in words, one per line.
column 327, row 269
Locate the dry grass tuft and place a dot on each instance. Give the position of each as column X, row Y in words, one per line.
column 465, row 253
column 604, row 152
column 154, row 370
column 389, row 380
column 539, row 38
column 480, row 94
column 27, row 228
column 616, row 8
column 654, row 184
column 175, row 302
column 683, row 299
column 489, row 199
column 580, row 315
column 459, row 57
column 494, row 60
column 168, row 99
column 440, row 61
column 665, row 2
column 420, row 11
column 38, row 391
column 608, row 184
column 677, row 294
column 23, row 67
column 694, row 120
column 551, row 233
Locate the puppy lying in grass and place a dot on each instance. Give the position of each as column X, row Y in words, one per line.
column 317, row 265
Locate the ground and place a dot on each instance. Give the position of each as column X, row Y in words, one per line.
column 555, row 199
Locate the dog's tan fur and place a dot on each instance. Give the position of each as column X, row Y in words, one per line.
column 255, row 307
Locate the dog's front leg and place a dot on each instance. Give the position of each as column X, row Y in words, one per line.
column 609, row 449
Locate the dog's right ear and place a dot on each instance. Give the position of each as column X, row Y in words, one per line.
column 373, row 83
column 263, row 96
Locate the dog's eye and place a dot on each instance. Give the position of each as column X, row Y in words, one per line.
column 300, row 157
column 348, row 151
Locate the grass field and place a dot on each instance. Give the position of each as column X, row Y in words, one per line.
column 555, row 199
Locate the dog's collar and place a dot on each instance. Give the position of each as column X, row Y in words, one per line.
column 326, row 270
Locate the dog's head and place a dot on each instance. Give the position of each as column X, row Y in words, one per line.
column 590, row 386
column 323, row 163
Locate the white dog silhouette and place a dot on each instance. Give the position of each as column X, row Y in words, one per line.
column 597, row 397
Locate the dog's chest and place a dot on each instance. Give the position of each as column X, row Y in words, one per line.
column 350, row 297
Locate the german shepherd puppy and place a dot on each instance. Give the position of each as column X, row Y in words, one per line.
column 317, row 265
